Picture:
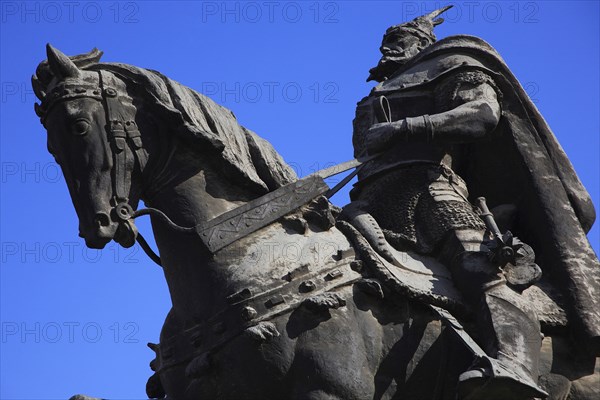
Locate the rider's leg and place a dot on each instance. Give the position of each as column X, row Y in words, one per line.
column 509, row 331
column 355, row 213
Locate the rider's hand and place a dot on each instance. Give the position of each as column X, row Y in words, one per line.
column 381, row 136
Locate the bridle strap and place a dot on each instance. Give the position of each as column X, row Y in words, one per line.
column 123, row 133
column 117, row 136
column 134, row 135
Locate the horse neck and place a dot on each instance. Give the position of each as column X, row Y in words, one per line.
column 192, row 191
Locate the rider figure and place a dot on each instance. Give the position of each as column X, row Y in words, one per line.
column 419, row 201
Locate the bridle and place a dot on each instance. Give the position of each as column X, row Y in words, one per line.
column 122, row 134
column 125, row 141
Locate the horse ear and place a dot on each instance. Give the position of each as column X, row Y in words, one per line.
column 61, row 65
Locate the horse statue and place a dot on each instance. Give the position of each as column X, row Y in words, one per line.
column 297, row 307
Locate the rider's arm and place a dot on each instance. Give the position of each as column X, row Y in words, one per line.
column 469, row 110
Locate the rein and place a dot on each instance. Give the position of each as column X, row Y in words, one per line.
column 260, row 212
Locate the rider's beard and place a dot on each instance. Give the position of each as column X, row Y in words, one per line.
column 385, row 68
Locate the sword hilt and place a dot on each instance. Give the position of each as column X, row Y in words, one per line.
column 488, row 217
column 505, row 251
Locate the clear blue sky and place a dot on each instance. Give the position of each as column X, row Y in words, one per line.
column 77, row 320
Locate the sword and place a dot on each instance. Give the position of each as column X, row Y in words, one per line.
column 258, row 213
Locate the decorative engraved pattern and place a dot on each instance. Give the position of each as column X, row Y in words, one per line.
column 259, row 213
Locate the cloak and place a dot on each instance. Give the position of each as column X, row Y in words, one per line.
column 522, row 163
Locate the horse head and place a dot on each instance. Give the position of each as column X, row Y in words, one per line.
column 93, row 135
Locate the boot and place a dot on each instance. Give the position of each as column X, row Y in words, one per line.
column 511, row 335
column 370, row 229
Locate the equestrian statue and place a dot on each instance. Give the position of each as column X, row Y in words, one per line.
column 459, row 270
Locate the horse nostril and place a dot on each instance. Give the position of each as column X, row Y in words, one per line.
column 102, row 219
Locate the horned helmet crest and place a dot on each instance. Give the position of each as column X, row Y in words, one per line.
column 421, row 26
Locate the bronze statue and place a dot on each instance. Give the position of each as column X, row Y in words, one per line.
column 277, row 294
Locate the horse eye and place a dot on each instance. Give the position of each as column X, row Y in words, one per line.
column 80, row 127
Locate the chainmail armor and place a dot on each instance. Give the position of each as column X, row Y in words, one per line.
column 412, row 214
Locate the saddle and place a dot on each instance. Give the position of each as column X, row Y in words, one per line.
column 425, row 279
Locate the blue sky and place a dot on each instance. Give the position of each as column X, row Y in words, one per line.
column 77, row 320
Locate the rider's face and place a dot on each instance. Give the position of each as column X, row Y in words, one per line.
column 396, row 50
column 401, row 46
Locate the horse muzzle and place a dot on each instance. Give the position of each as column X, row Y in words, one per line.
column 117, row 226
column 102, row 231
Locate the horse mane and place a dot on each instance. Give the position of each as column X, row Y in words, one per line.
column 247, row 158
